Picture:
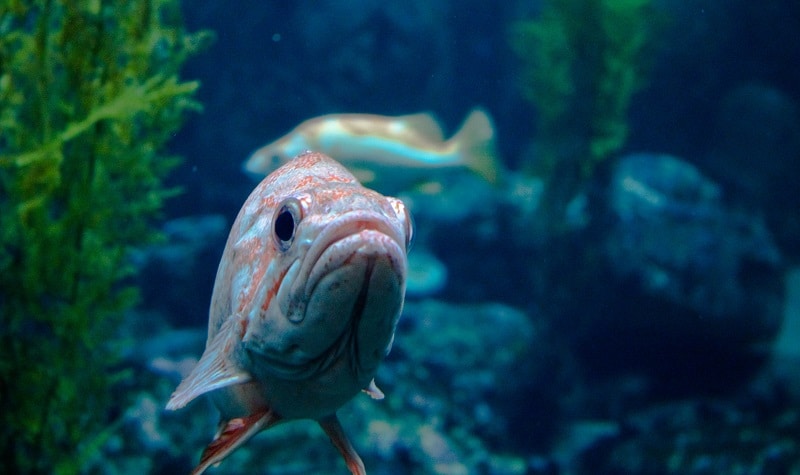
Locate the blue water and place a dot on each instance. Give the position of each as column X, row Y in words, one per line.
column 632, row 314
column 637, row 338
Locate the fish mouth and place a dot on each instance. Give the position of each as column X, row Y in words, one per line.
column 358, row 285
column 354, row 289
column 344, row 301
column 354, row 235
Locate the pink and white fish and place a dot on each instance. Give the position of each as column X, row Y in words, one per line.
column 306, row 300
column 389, row 153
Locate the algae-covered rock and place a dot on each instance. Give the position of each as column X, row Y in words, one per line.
column 447, row 382
column 675, row 236
column 694, row 292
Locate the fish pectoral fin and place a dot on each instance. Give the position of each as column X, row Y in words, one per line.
column 234, row 433
column 373, row 390
column 214, row 370
column 333, row 428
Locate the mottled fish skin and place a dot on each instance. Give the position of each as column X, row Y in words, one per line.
column 307, row 296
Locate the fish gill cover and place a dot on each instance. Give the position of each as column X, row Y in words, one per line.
column 89, row 95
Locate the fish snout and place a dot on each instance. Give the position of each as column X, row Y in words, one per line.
column 364, row 275
column 351, row 239
column 358, row 281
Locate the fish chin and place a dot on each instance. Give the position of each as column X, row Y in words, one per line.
column 376, row 314
column 349, row 316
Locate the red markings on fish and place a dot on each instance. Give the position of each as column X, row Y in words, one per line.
column 284, row 297
column 338, row 178
column 273, row 291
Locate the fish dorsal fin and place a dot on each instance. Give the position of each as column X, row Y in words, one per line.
column 424, row 124
column 214, row 370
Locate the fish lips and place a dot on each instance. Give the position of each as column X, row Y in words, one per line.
column 347, row 241
column 356, row 287
column 341, row 303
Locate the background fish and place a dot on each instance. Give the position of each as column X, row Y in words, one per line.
column 389, row 153
column 305, row 304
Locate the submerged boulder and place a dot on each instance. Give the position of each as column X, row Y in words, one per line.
column 675, row 237
column 697, row 286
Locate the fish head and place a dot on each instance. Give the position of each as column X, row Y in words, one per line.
column 331, row 283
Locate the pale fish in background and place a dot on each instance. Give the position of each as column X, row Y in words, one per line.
column 391, row 154
column 307, row 296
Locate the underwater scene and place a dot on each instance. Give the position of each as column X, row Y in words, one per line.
column 400, row 237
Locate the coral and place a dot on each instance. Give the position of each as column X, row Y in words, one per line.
column 446, row 410
column 752, row 434
column 89, row 94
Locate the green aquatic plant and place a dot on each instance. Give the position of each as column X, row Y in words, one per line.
column 582, row 61
column 89, row 95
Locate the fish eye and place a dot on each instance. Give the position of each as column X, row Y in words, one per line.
column 284, row 224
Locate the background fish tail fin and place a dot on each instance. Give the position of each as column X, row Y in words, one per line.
column 475, row 143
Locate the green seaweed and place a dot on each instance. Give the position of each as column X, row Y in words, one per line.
column 582, row 61
column 89, row 95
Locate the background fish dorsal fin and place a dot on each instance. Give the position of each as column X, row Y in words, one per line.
column 424, row 124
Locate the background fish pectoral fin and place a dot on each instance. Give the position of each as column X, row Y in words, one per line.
column 363, row 175
column 214, row 370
